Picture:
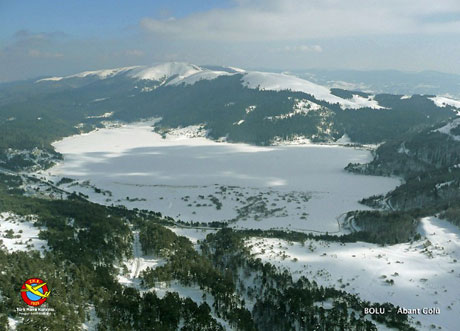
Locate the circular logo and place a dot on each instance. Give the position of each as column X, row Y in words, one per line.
column 34, row 292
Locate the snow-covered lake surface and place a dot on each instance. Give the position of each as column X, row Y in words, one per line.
column 196, row 179
column 422, row 274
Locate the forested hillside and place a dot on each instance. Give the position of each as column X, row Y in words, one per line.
column 429, row 162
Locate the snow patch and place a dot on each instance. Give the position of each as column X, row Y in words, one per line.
column 444, row 184
column 99, row 99
column 91, row 324
column 448, row 127
column 344, row 140
column 12, row 323
column 403, row 149
column 105, row 115
column 445, row 101
column 137, row 264
column 250, row 109
column 18, row 233
column 301, row 107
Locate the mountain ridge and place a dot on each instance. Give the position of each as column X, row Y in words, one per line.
column 176, row 73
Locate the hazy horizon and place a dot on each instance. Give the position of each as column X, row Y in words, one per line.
column 40, row 38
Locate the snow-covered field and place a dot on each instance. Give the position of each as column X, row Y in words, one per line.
column 196, row 179
column 422, row 274
column 18, row 233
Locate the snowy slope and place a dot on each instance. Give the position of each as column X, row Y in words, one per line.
column 446, row 129
column 445, row 101
column 166, row 70
column 279, row 82
column 101, row 74
column 172, row 73
column 202, row 75
column 422, row 274
column 23, row 234
column 175, row 73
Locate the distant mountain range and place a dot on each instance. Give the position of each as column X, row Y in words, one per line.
column 387, row 81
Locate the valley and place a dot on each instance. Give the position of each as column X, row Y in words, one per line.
column 226, row 199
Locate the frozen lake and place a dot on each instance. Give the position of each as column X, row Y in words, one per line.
column 299, row 187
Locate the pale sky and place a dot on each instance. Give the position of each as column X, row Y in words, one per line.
column 44, row 37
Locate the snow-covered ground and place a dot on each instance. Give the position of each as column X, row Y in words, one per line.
column 422, row 274
column 100, row 74
column 445, row 101
column 137, row 264
column 196, row 179
column 141, row 262
column 92, row 321
column 18, row 233
column 446, row 129
column 278, row 82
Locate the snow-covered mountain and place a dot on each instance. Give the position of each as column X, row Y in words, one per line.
column 280, row 82
column 176, row 73
column 229, row 103
column 100, row 74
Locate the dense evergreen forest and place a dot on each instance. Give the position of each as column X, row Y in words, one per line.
column 428, row 161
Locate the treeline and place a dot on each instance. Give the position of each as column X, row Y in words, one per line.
column 383, row 227
column 452, row 214
column 127, row 309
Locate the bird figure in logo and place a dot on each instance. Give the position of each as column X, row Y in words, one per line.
column 35, row 290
